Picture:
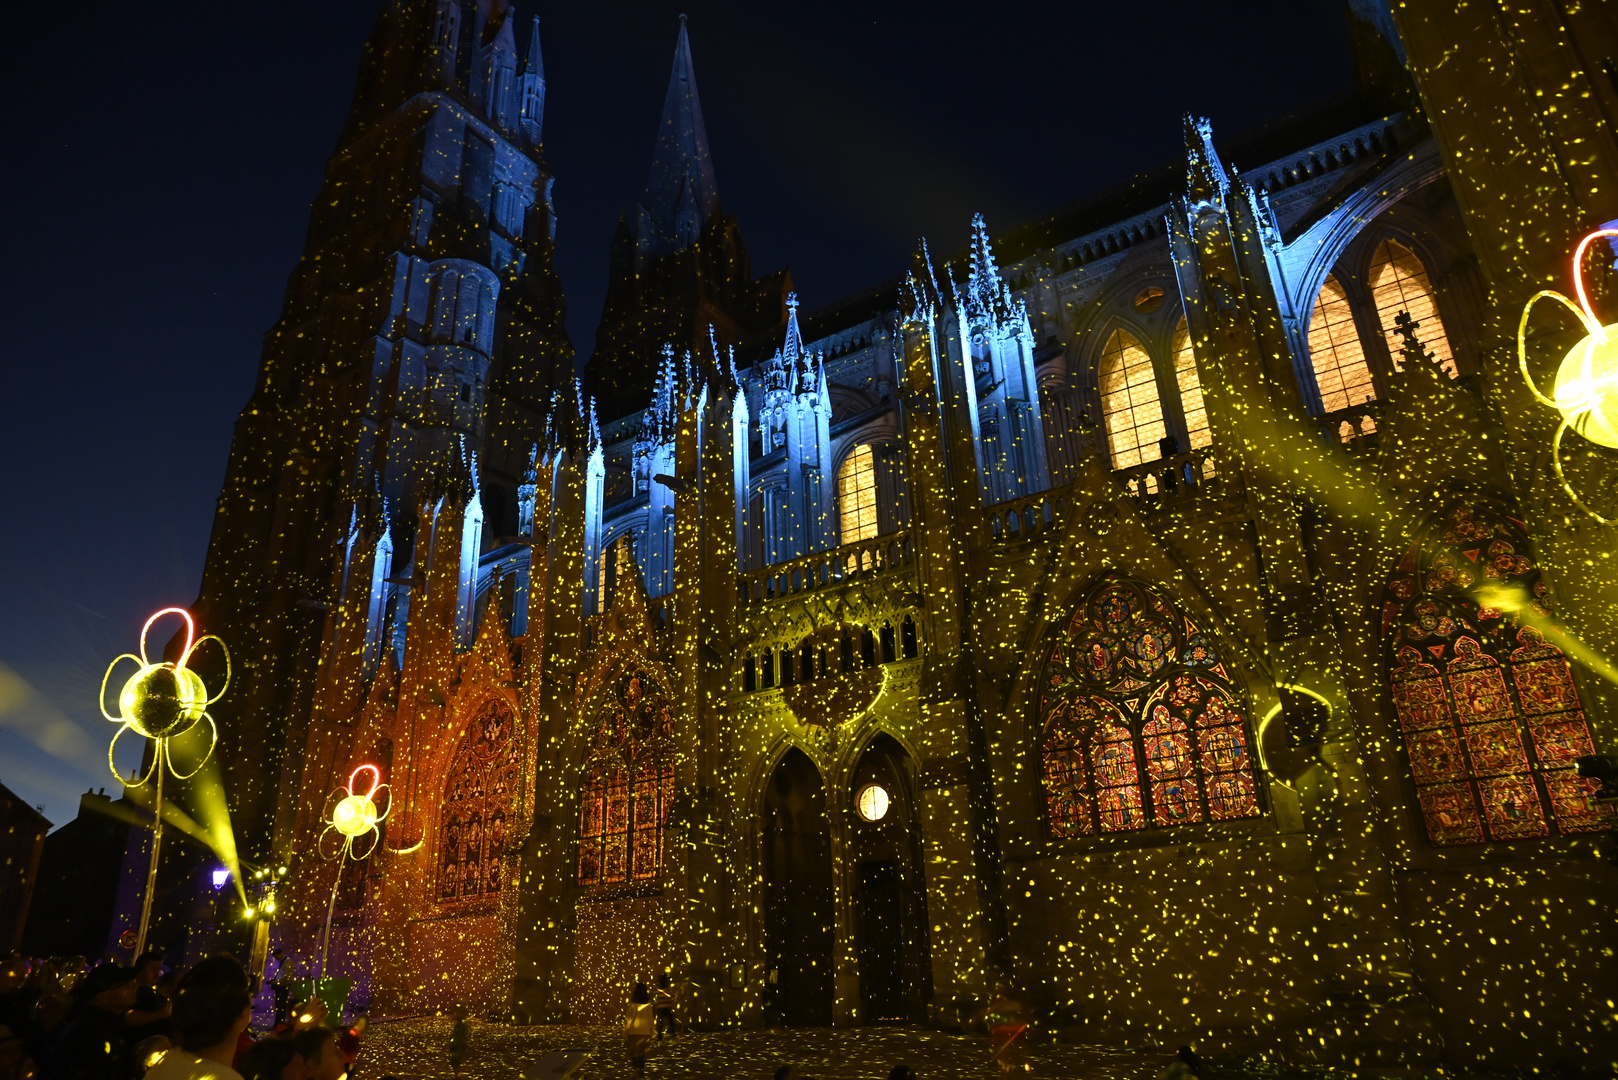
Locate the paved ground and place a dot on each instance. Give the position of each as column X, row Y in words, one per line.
column 419, row 1049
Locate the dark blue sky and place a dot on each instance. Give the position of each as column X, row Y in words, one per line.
column 159, row 161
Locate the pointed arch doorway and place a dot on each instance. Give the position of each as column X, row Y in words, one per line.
column 799, row 931
column 890, row 897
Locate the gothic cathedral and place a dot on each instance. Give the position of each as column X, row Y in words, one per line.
column 1161, row 610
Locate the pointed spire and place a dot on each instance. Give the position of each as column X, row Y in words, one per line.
column 792, row 348
column 1206, row 179
column 680, row 191
column 532, row 89
column 535, row 64
column 920, row 290
column 988, row 299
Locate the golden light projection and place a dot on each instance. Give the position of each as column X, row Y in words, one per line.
column 1587, row 377
column 354, row 818
column 162, row 702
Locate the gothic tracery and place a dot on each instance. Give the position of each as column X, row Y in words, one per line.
column 1140, row 720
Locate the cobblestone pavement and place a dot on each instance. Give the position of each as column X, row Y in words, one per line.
column 419, row 1049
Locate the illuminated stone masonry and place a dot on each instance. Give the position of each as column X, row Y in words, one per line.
column 1108, row 616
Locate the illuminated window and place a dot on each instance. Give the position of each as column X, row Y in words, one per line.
column 1341, row 374
column 477, row 802
column 1491, row 719
column 1399, row 283
column 628, row 787
column 1129, row 403
column 856, row 496
column 1185, row 373
column 1139, row 719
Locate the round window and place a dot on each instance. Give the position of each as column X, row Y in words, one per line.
column 872, row 802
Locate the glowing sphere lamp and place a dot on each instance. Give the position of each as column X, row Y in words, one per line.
column 354, row 817
column 162, row 701
column 1586, row 388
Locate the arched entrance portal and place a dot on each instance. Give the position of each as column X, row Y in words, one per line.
column 798, row 913
column 890, row 895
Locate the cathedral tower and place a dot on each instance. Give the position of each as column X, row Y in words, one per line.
column 422, row 332
column 678, row 262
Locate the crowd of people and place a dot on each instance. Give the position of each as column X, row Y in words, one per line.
column 62, row 1019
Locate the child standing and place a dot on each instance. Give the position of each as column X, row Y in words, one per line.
column 638, row 1026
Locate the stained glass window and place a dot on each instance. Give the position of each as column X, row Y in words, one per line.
column 1399, row 283
column 1130, row 407
column 1191, row 403
column 1140, row 720
column 628, row 787
column 856, row 496
column 1341, row 373
column 1492, row 722
column 477, row 805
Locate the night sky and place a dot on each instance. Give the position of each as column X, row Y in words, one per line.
column 159, row 161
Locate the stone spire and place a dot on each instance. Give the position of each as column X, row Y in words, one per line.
column 988, row 299
column 533, row 89
column 1206, row 180
column 680, row 191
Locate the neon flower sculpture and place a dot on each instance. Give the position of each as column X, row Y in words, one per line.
column 162, row 702
column 355, row 819
column 1586, row 392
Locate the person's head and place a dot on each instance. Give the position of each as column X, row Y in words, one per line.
column 321, row 1058
column 271, row 1059
column 110, row 988
column 662, row 980
column 211, row 1004
column 278, row 954
column 149, row 967
column 1186, row 1055
column 901, row 1072
column 460, row 1013
column 787, row 1072
column 639, row 995
column 13, row 973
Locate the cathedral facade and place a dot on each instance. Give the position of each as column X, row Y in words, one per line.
column 1151, row 612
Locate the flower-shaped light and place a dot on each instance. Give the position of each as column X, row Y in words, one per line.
column 163, row 701
column 1586, row 392
column 354, row 816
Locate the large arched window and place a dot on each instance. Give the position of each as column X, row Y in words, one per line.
column 1341, row 373
column 856, row 496
column 477, row 803
column 1492, row 721
column 1130, row 407
column 1399, row 283
column 1140, row 720
column 1190, row 383
column 628, row 786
